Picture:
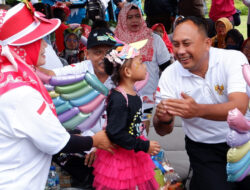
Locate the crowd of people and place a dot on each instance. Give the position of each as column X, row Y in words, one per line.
column 194, row 69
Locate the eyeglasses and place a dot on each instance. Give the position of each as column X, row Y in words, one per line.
column 72, row 40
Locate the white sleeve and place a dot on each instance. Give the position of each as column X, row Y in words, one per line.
column 34, row 120
column 161, row 52
column 166, row 86
column 235, row 80
column 74, row 69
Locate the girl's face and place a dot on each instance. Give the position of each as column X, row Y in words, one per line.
column 134, row 20
column 41, row 59
column 138, row 69
column 72, row 42
column 246, row 50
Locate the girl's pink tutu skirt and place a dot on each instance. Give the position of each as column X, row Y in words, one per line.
column 124, row 170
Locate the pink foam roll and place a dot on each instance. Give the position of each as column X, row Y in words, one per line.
column 87, row 108
column 92, row 119
column 237, row 121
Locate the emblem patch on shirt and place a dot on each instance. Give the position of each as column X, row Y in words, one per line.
column 219, row 89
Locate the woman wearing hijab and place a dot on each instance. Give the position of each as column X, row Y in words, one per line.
column 30, row 132
column 72, row 38
column 222, row 26
column 131, row 27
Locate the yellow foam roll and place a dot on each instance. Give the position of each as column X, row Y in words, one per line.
column 235, row 154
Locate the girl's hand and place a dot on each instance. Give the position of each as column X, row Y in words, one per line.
column 154, row 148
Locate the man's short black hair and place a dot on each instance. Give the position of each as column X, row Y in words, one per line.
column 199, row 22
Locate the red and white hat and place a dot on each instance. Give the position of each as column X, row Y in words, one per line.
column 23, row 25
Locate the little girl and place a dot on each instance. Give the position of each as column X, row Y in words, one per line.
column 130, row 166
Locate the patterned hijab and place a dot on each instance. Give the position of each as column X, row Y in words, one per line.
column 17, row 67
column 122, row 33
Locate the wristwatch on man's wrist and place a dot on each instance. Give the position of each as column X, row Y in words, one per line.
column 167, row 122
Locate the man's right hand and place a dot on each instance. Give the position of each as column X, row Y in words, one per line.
column 163, row 120
column 162, row 113
column 101, row 140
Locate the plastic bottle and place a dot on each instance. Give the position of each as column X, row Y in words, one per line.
column 171, row 178
column 53, row 180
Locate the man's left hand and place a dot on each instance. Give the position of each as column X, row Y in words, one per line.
column 185, row 108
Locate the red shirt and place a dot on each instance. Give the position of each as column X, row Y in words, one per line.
column 221, row 8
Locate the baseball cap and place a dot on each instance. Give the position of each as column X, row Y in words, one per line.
column 100, row 36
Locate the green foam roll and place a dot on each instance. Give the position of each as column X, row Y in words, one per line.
column 71, row 87
column 73, row 122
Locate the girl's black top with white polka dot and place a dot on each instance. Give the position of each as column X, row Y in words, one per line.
column 124, row 124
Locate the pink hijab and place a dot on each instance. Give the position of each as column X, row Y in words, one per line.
column 123, row 34
column 17, row 67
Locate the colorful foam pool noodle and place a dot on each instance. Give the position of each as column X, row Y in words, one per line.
column 235, row 154
column 49, row 87
column 87, row 108
column 85, row 99
column 77, row 94
column 68, row 114
column 240, row 174
column 235, row 167
column 95, row 83
column 65, row 80
column 246, row 173
column 71, row 87
column 92, row 119
column 235, row 138
column 237, row 121
column 53, row 94
column 64, row 107
column 246, row 73
column 76, row 120
column 58, row 101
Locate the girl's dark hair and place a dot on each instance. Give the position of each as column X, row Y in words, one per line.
column 113, row 70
